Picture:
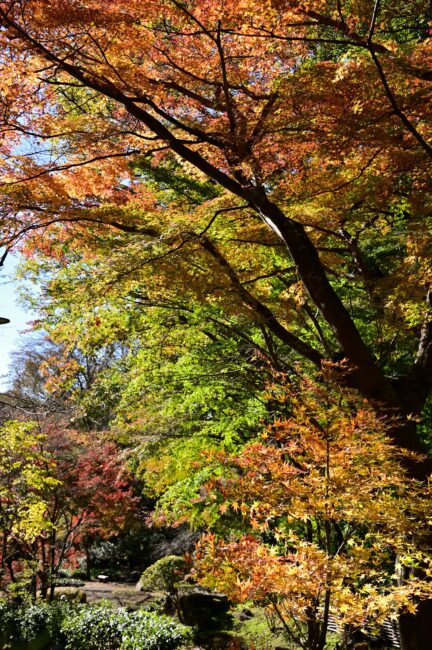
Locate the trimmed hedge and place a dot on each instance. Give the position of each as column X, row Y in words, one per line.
column 69, row 582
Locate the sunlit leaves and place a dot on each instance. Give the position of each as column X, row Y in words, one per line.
column 328, row 508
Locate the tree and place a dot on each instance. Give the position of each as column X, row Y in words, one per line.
column 49, row 379
column 94, row 499
column 254, row 125
column 26, row 480
column 58, row 493
column 325, row 512
column 312, row 118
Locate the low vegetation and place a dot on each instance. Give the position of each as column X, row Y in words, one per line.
column 81, row 627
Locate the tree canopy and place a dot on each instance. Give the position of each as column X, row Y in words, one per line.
column 211, row 194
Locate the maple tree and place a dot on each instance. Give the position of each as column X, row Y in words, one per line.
column 25, row 480
column 326, row 509
column 373, row 150
column 94, row 499
column 58, row 493
column 304, row 128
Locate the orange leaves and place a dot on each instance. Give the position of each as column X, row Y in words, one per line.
column 259, row 92
column 250, row 570
column 328, row 507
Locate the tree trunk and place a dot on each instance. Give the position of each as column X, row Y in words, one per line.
column 3, row 557
column 52, row 566
column 416, row 629
column 43, row 574
column 88, row 562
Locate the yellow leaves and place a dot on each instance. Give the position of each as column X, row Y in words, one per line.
column 358, row 106
column 411, row 607
column 326, row 484
column 32, row 520
column 25, row 480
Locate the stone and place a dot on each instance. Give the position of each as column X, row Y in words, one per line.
column 245, row 615
column 139, row 586
column 203, row 608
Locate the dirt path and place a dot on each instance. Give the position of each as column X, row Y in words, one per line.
column 121, row 594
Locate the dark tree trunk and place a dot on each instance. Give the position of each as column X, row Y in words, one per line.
column 416, row 629
column 88, row 562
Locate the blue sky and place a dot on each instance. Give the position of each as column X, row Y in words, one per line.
column 11, row 335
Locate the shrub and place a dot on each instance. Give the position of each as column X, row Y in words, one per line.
column 102, row 628
column 83, row 627
column 148, row 631
column 165, row 574
column 92, row 628
column 41, row 620
column 69, row 582
column 7, row 622
column 32, row 621
column 37, row 622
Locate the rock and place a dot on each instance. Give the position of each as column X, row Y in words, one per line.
column 169, row 607
column 203, row 608
column 138, row 586
column 134, row 576
column 245, row 615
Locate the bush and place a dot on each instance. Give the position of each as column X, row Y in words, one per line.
column 102, row 628
column 7, row 622
column 83, row 627
column 35, row 623
column 92, row 628
column 164, row 575
column 41, row 620
column 148, row 631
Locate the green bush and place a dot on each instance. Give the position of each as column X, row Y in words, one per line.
column 92, row 628
column 7, row 622
column 85, row 627
column 41, row 620
column 102, row 628
column 165, row 574
column 148, row 631
column 69, row 582
column 37, row 622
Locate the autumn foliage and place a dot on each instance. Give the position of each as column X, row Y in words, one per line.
column 208, row 193
column 58, row 494
column 328, row 510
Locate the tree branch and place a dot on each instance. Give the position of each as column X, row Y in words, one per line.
column 264, row 314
